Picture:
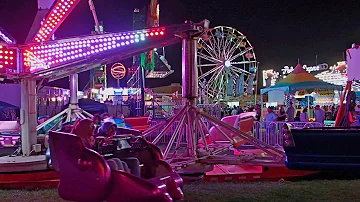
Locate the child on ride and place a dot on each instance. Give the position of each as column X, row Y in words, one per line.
column 108, row 130
column 85, row 129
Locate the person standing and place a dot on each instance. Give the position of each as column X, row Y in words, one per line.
column 319, row 114
column 258, row 112
column 304, row 115
column 234, row 111
column 281, row 114
column 270, row 116
column 290, row 112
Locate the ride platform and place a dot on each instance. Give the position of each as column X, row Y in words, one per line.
column 242, row 173
column 20, row 172
column 32, row 172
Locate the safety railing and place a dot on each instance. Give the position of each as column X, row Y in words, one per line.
column 268, row 132
column 272, row 132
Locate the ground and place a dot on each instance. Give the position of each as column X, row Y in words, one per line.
column 316, row 190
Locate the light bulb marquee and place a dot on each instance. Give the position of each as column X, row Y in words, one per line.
column 60, row 10
column 7, row 59
column 54, row 53
column 48, row 55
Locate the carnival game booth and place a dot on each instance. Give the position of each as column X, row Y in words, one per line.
column 297, row 80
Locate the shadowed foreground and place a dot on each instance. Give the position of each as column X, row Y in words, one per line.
column 317, row 190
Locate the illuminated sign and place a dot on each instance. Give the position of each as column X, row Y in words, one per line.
column 321, row 67
column 335, row 74
column 118, row 71
column 270, row 76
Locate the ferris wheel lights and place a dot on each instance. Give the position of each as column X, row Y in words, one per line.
column 227, row 63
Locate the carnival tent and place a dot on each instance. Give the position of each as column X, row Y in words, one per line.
column 300, row 79
column 91, row 106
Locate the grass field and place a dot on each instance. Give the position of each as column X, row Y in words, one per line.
column 317, row 190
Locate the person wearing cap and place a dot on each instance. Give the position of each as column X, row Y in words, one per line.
column 290, row 112
column 108, row 130
column 319, row 114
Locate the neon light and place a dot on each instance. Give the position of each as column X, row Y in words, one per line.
column 5, row 38
column 54, row 53
column 60, row 10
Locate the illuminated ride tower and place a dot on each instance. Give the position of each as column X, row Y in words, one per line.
column 148, row 65
column 98, row 76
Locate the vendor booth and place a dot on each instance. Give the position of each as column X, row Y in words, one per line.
column 300, row 79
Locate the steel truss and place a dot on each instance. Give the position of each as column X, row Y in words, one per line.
column 192, row 122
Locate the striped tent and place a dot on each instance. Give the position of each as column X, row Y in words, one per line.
column 300, row 79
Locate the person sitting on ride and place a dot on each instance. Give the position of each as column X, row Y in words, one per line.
column 108, row 130
column 97, row 121
column 85, row 129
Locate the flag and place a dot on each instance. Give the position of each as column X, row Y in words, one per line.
column 240, row 85
column 230, row 86
column 250, row 84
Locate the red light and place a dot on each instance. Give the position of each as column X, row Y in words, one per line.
column 151, row 34
column 161, row 33
column 156, row 33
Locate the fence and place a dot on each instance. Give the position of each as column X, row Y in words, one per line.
column 272, row 132
column 268, row 132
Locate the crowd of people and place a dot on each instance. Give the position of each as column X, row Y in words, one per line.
column 291, row 114
column 236, row 110
column 288, row 113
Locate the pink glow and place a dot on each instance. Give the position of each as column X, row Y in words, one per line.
column 54, row 53
column 56, row 16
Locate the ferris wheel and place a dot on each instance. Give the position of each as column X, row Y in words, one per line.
column 227, row 64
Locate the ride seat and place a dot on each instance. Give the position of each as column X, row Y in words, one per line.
column 244, row 122
column 85, row 176
column 138, row 123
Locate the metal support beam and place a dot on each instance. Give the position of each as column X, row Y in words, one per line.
column 28, row 115
column 74, row 88
column 189, row 71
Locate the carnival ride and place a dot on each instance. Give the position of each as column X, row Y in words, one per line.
column 47, row 60
column 227, row 64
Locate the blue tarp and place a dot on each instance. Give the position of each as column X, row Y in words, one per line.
column 90, row 106
column 8, row 112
